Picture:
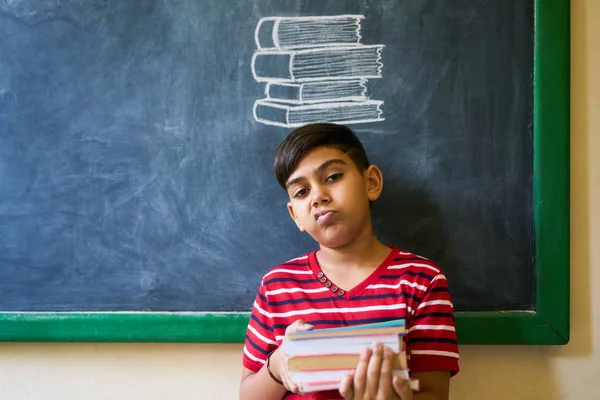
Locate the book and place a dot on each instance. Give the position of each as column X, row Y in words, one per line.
column 312, row 31
column 350, row 344
column 316, row 381
column 318, row 64
column 291, row 116
column 316, row 69
column 317, row 92
column 394, row 327
column 330, row 361
column 319, row 359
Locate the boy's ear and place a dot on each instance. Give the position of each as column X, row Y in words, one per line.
column 293, row 215
column 374, row 182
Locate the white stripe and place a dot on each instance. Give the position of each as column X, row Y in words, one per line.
column 339, row 310
column 294, row 290
column 289, row 271
column 397, row 286
column 432, row 328
column 253, row 358
column 261, row 337
column 440, row 276
column 435, row 353
column 296, row 259
column 280, row 337
column 406, row 265
column 260, row 310
column 435, row 303
column 400, row 266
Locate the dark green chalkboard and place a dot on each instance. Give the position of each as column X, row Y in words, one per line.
column 138, row 202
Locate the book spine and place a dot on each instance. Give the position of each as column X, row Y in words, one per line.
column 284, row 92
column 272, row 66
column 270, row 113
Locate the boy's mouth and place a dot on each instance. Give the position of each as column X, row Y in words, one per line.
column 324, row 216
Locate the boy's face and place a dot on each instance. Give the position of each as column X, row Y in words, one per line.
column 329, row 196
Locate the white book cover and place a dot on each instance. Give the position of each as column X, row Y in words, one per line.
column 318, row 64
column 291, row 116
column 317, row 92
column 312, row 31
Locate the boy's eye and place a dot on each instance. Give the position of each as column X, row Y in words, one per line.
column 334, row 177
column 300, row 193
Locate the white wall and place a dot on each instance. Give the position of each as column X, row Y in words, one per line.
column 121, row 371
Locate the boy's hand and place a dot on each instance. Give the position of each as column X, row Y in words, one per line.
column 279, row 360
column 373, row 379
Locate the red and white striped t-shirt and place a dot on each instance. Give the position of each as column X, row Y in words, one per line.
column 405, row 286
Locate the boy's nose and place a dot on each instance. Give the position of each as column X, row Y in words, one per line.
column 319, row 198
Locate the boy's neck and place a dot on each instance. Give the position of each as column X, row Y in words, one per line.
column 364, row 252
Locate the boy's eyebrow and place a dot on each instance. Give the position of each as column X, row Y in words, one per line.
column 319, row 169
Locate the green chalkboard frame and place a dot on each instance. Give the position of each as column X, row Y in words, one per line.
column 546, row 324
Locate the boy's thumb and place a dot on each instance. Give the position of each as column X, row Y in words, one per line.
column 302, row 325
column 299, row 325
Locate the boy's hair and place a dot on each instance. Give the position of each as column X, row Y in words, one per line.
column 308, row 137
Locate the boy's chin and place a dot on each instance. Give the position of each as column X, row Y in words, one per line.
column 333, row 239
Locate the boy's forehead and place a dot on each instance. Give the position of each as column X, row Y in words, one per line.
column 314, row 158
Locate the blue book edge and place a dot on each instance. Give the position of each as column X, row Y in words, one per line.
column 395, row 322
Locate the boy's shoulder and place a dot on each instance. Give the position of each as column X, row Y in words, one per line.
column 293, row 268
column 411, row 261
column 406, row 268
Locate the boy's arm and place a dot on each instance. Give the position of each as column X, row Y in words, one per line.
column 434, row 385
column 272, row 380
column 431, row 339
column 260, row 386
column 260, row 341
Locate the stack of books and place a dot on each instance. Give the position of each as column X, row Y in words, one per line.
column 316, row 70
column 319, row 359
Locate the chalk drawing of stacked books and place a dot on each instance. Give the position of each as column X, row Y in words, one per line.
column 316, row 70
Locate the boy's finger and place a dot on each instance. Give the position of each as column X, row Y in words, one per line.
column 374, row 370
column 346, row 389
column 295, row 326
column 289, row 385
column 402, row 388
column 306, row 327
column 286, row 377
column 298, row 325
column 360, row 374
column 385, row 375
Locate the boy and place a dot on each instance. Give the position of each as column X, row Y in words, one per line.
column 351, row 279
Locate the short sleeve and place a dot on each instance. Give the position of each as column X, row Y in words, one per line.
column 260, row 338
column 431, row 337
